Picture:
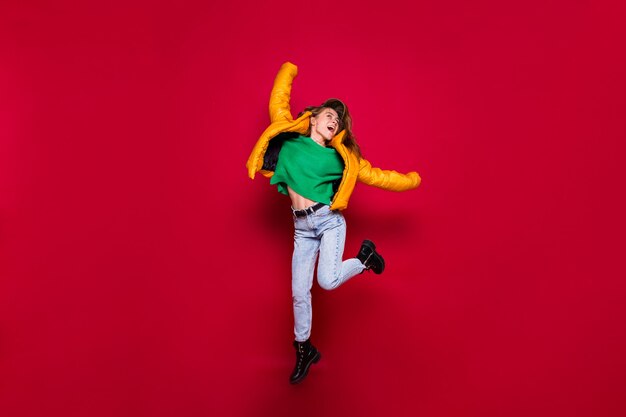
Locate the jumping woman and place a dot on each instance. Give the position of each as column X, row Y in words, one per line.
column 315, row 160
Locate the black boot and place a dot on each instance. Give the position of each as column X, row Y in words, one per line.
column 306, row 354
column 370, row 258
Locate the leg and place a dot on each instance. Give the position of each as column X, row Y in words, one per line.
column 306, row 247
column 331, row 270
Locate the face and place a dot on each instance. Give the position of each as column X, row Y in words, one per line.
column 325, row 124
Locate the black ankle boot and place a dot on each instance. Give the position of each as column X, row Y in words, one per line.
column 306, row 354
column 370, row 258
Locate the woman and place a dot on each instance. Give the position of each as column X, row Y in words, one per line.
column 316, row 161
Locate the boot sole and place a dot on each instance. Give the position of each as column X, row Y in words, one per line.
column 382, row 268
column 316, row 359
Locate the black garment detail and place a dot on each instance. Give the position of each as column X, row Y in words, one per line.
column 308, row 210
column 336, row 184
column 370, row 258
column 306, row 354
column 270, row 159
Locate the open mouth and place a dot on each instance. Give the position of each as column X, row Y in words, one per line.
column 332, row 129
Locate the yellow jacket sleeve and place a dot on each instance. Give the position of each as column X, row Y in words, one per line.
column 280, row 109
column 387, row 179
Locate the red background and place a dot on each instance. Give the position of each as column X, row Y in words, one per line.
column 143, row 274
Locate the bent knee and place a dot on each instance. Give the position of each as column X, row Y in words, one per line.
column 329, row 283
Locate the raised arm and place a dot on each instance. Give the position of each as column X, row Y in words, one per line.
column 387, row 179
column 281, row 93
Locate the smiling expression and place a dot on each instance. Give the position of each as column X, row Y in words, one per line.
column 325, row 125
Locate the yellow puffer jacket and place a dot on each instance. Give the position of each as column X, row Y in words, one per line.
column 355, row 168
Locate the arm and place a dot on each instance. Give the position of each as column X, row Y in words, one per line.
column 281, row 93
column 386, row 179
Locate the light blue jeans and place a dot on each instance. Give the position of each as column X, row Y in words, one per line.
column 323, row 233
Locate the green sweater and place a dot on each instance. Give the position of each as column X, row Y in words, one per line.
column 307, row 168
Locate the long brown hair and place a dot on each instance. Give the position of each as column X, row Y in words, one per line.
column 345, row 122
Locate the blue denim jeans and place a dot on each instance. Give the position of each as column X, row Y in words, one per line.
column 323, row 233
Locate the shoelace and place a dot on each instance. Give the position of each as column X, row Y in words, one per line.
column 367, row 259
column 301, row 355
